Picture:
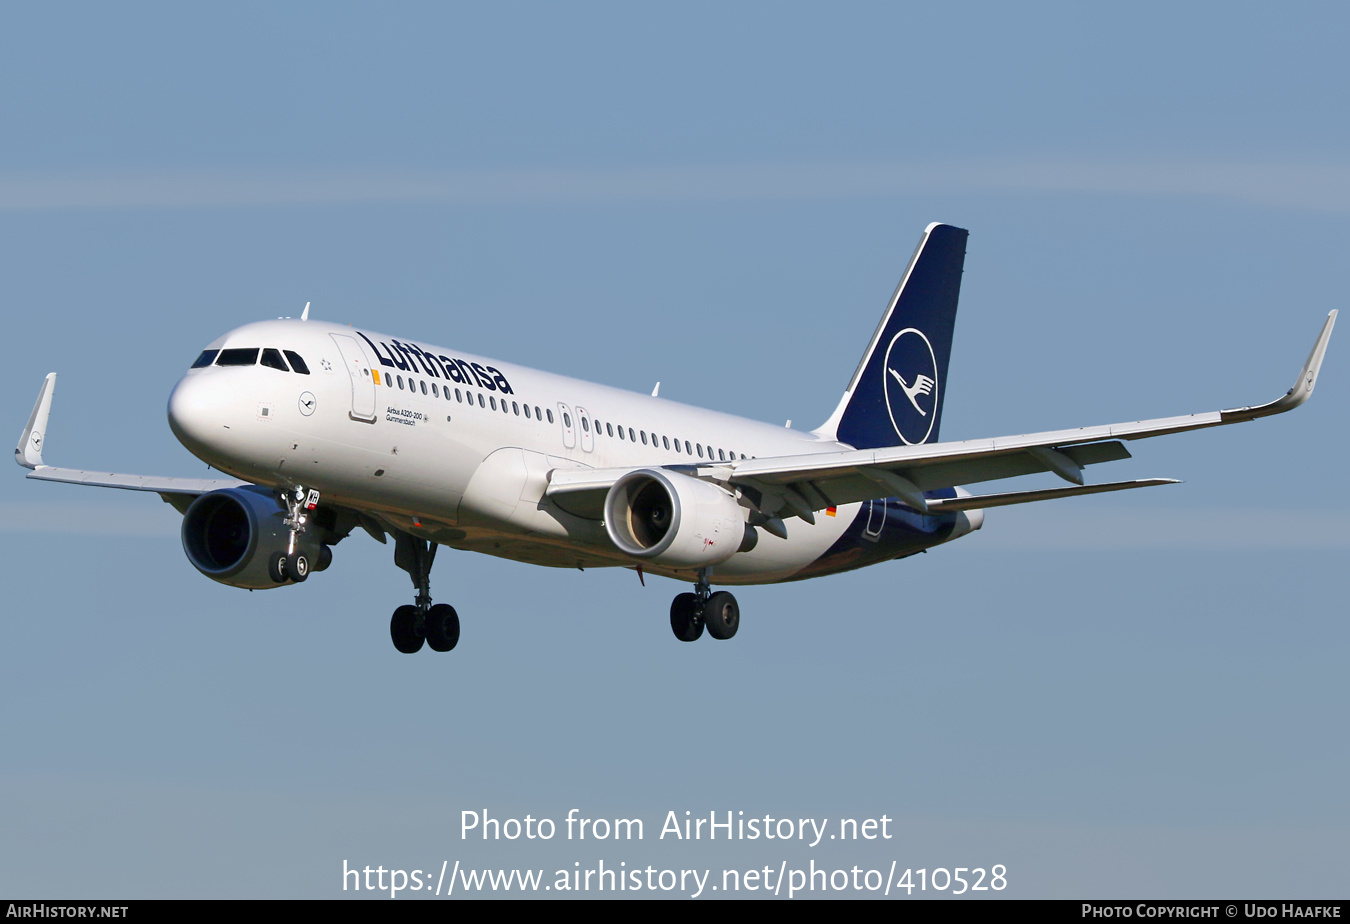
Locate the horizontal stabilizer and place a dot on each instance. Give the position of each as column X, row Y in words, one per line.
column 981, row 501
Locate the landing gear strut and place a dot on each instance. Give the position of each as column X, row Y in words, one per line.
column 689, row 613
column 292, row 565
column 437, row 626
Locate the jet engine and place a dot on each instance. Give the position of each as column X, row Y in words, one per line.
column 231, row 535
column 672, row 519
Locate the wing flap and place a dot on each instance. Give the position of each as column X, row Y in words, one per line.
column 980, row 501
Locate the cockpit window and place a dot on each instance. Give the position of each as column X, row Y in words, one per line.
column 297, row 363
column 238, row 357
column 206, row 359
column 272, row 359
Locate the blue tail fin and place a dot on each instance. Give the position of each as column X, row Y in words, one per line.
column 895, row 397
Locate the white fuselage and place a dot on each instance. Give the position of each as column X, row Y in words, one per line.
column 458, row 449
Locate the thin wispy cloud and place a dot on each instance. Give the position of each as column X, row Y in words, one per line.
column 1324, row 187
column 152, row 518
column 1042, row 527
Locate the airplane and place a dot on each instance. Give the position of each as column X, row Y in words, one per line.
column 327, row 428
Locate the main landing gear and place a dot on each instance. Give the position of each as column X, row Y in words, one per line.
column 411, row 626
column 689, row 613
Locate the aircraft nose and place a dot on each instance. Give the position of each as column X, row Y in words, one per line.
column 197, row 409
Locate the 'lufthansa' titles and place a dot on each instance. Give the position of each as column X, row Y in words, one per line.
column 409, row 357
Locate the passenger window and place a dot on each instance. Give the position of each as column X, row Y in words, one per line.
column 539, row 416
column 424, row 387
column 677, row 445
column 721, row 456
column 458, row 396
column 609, row 430
column 699, row 447
column 389, row 380
column 481, row 402
column 585, row 425
column 297, row 363
column 527, row 412
column 621, row 433
column 687, row 449
column 665, row 441
column 206, row 359
column 516, row 408
column 644, row 437
column 567, row 419
column 435, row 393
column 238, row 357
column 548, row 411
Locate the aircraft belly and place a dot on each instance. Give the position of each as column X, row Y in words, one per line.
column 880, row 531
column 773, row 559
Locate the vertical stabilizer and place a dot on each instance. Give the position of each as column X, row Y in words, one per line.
column 896, row 395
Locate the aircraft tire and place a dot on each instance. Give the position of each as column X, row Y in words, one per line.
column 297, row 569
column 403, row 630
column 685, row 619
column 442, row 627
column 276, row 567
column 722, row 614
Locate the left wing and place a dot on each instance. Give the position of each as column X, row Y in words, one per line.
column 802, row 484
column 180, row 492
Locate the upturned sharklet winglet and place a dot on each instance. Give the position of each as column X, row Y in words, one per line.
column 1303, row 385
column 29, row 451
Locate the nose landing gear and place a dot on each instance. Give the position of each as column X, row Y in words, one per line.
column 292, row 564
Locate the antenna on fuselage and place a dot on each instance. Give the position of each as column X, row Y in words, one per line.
column 304, row 315
column 656, row 389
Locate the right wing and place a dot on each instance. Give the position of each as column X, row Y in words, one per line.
column 907, row 472
column 802, row 484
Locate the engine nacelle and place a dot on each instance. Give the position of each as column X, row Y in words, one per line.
column 674, row 520
column 230, row 535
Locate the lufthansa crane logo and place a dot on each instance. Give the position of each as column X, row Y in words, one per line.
column 911, row 385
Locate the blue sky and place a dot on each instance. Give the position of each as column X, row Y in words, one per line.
column 1127, row 695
